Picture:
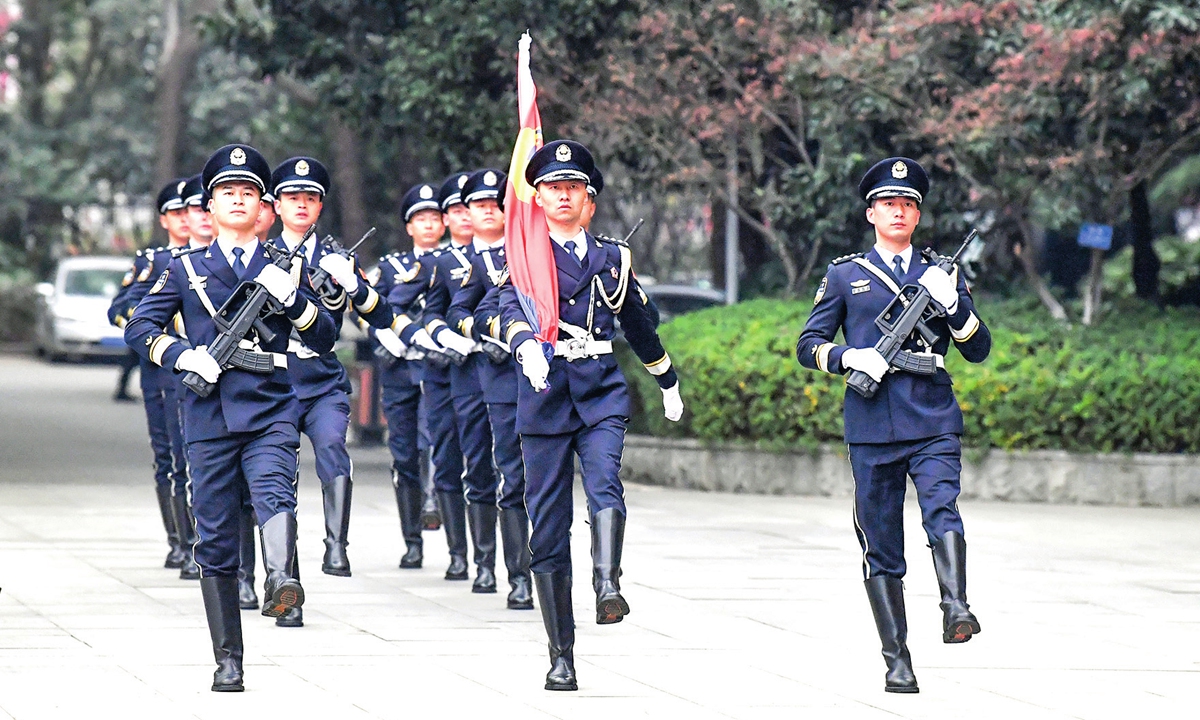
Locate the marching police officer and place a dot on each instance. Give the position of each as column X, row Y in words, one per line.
column 577, row 401
column 497, row 375
column 452, row 270
column 405, row 276
column 166, row 440
column 299, row 186
column 912, row 425
column 245, row 432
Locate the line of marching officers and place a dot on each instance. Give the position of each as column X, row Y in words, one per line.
column 455, row 344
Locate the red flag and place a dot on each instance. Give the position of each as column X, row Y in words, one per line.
column 526, row 236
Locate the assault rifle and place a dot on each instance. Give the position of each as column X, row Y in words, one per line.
column 907, row 313
column 243, row 311
column 321, row 282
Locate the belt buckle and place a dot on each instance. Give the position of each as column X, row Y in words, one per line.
column 576, row 349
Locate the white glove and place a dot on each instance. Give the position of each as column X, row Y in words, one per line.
column 422, row 340
column 533, row 364
column 198, row 360
column 278, row 282
column 341, row 270
column 941, row 288
column 672, row 403
column 867, row 360
column 391, row 342
column 456, row 342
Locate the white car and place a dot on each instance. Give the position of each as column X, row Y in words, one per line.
column 72, row 312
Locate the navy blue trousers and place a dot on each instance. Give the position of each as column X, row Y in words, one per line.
column 507, row 454
column 550, row 475
column 158, row 422
column 171, row 411
column 443, row 435
column 402, row 408
column 880, row 480
column 325, row 419
column 223, row 469
column 475, row 439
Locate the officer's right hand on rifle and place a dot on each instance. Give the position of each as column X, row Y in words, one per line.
column 391, row 342
column 867, row 360
column 341, row 270
column 278, row 282
column 198, row 360
column 457, row 343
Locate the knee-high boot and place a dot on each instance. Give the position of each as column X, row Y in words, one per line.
column 225, row 626
column 554, row 596
column 482, row 519
column 454, row 521
column 514, row 535
column 950, row 564
column 431, row 514
column 175, row 556
column 337, row 525
column 186, row 524
column 408, row 503
column 608, row 538
column 247, row 598
column 887, row 604
column 282, row 590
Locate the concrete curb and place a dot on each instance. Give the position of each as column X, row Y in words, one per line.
column 1052, row 476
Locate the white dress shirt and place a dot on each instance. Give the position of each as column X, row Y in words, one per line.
column 887, row 257
column 580, row 244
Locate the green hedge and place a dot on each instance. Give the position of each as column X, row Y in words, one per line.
column 1130, row 385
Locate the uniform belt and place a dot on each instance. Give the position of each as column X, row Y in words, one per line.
column 300, row 350
column 279, row 360
column 577, row 349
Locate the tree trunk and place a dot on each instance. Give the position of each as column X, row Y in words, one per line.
column 1146, row 264
column 1026, row 252
column 181, row 48
column 1095, row 282
column 347, row 177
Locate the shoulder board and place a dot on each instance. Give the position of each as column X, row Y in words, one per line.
column 847, row 258
column 178, row 252
column 613, row 241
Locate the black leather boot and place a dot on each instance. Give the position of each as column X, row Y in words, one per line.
column 887, row 604
column 514, row 535
column 225, row 626
column 247, row 598
column 483, row 535
column 608, row 537
column 186, row 524
column 282, row 590
column 454, row 521
column 950, row 564
column 175, row 556
column 337, row 526
column 408, row 503
column 431, row 514
column 554, row 596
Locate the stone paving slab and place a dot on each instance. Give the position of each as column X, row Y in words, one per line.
column 743, row 606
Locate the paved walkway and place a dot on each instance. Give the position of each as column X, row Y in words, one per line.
column 743, row 606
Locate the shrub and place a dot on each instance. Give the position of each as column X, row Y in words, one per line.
column 1130, row 385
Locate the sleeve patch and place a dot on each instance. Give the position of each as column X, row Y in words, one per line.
column 821, row 290
column 162, row 281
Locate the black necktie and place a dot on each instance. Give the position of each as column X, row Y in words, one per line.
column 898, row 263
column 239, row 266
column 570, row 248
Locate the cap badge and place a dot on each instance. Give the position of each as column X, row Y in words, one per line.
column 301, row 167
column 426, row 192
column 237, row 157
column 462, row 181
column 179, row 189
column 489, row 178
column 899, row 170
column 563, row 153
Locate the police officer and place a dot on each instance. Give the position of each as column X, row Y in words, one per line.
column 577, row 402
column 911, row 426
column 245, row 432
column 410, row 300
column 407, row 273
column 497, row 375
column 166, row 440
column 299, row 186
column 453, row 269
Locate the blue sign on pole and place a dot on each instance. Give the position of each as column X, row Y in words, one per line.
column 1098, row 237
